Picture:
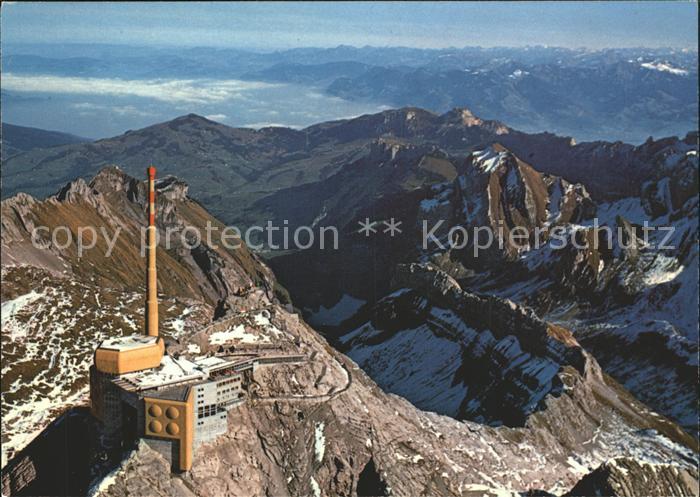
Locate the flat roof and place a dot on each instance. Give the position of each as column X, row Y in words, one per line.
column 171, row 371
column 178, row 392
column 129, row 342
column 209, row 363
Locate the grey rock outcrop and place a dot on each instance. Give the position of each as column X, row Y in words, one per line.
column 625, row 477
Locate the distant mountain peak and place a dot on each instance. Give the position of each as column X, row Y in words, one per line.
column 112, row 178
column 407, row 114
column 110, row 171
column 465, row 117
column 465, row 114
column 469, row 119
column 191, row 119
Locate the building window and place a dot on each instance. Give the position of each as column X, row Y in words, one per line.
column 206, row 411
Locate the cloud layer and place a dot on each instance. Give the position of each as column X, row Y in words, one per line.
column 192, row 91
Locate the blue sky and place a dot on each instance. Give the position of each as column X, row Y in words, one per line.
column 286, row 25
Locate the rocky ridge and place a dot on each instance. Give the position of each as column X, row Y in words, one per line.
column 625, row 477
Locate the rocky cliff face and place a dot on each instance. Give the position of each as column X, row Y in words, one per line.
column 618, row 274
column 112, row 205
column 627, row 477
column 420, row 185
column 481, row 357
column 626, row 291
column 492, row 361
column 498, row 191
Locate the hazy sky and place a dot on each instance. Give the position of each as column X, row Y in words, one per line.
column 285, row 25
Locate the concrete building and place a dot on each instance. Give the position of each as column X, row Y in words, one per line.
column 181, row 402
column 138, row 391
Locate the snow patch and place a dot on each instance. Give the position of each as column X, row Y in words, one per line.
column 663, row 67
column 487, row 490
column 314, row 487
column 12, row 308
column 319, row 441
column 427, row 380
column 662, row 273
column 488, row 160
column 518, row 73
column 236, row 333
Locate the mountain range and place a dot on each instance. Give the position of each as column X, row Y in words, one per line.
column 588, row 101
column 619, row 94
column 18, row 139
column 239, row 173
